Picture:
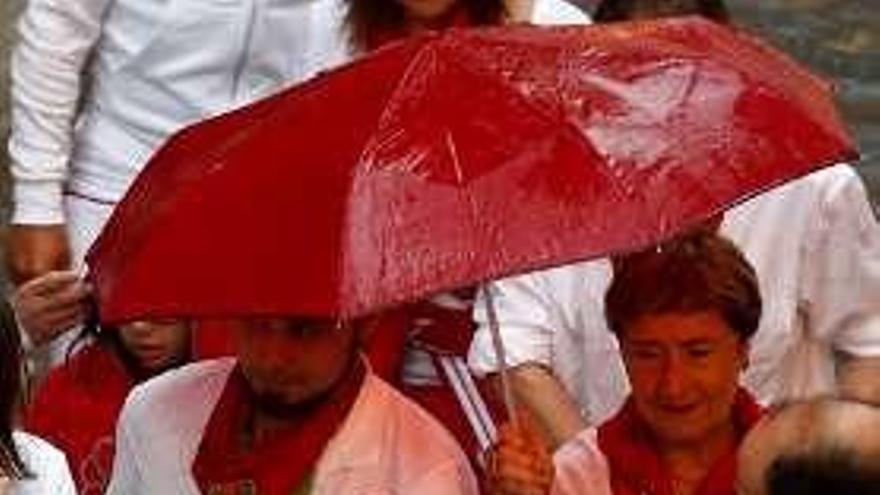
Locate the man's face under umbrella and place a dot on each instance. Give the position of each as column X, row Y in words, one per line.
column 290, row 361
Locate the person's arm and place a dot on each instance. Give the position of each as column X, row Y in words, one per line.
column 528, row 317
column 859, row 379
column 841, row 290
column 520, row 462
column 55, row 39
column 555, row 411
column 48, row 305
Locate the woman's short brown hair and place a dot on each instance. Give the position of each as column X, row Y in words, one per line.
column 698, row 271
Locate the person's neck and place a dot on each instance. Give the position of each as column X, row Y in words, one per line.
column 689, row 463
column 264, row 425
column 519, row 10
column 416, row 25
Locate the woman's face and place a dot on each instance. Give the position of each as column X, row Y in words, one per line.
column 684, row 370
column 157, row 345
column 425, row 10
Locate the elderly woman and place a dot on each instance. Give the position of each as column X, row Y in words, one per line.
column 683, row 314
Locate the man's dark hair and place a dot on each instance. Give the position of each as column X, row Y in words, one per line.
column 836, row 471
column 622, row 10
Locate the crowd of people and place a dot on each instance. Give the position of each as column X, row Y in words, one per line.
column 740, row 357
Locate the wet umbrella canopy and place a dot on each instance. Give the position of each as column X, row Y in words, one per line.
column 453, row 158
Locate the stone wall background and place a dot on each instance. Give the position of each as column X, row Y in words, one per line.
column 840, row 38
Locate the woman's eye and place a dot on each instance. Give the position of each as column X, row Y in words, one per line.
column 646, row 354
column 699, row 352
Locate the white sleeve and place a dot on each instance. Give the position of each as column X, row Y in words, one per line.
column 55, row 38
column 841, row 290
column 557, row 12
column 51, row 474
column 126, row 478
column 581, row 468
column 527, row 317
column 63, row 480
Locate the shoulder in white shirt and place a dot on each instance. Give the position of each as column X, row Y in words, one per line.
column 47, row 465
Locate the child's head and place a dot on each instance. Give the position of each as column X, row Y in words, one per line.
column 156, row 345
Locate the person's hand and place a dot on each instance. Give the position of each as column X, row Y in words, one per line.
column 48, row 305
column 33, row 250
column 520, row 463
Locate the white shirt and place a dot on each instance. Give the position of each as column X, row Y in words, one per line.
column 556, row 12
column 387, row 444
column 815, row 245
column 51, row 475
column 143, row 69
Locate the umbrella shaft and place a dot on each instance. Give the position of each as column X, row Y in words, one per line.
column 495, row 331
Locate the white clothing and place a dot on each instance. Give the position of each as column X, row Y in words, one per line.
column 815, row 245
column 144, row 69
column 387, row 444
column 580, row 467
column 51, row 476
column 557, row 12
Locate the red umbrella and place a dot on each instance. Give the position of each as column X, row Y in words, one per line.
column 453, row 158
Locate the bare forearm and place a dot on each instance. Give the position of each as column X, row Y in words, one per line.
column 859, row 378
column 544, row 396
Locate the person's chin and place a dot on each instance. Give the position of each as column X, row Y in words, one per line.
column 678, row 426
column 153, row 364
column 287, row 402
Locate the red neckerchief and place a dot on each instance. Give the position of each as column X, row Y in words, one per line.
column 278, row 464
column 636, row 467
column 456, row 17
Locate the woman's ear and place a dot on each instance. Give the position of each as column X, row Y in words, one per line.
column 743, row 352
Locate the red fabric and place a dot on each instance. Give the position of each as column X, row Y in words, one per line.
column 274, row 465
column 76, row 409
column 636, row 467
column 212, row 338
column 409, row 200
column 444, row 329
column 385, row 342
column 423, row 324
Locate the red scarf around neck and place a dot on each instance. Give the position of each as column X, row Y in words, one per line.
column 636, row 466
column 275, row 465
